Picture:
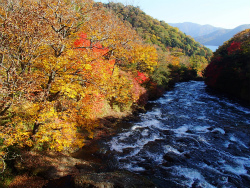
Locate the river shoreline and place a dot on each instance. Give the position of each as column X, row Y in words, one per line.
column 88, row 159
column 79, row 169
column 59, row 170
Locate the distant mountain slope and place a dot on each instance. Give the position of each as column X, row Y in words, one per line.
column 194, row 29
column 217, row 38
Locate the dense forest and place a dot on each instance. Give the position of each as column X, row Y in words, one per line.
column 187, row 56
column 230, row 67
column 61, row 66
column 158, row 32
column 66, row 64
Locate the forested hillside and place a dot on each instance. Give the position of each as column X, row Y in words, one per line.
column 66, row 65
column 229, row 70
column 158, row 32
column 62, row 62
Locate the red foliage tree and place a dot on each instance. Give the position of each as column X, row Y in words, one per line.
column 235, row 46
column 213, row 71
column 141, row 77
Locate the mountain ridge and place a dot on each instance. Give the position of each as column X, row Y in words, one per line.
column 208, row 34
column 218, row 37
column 194, row 29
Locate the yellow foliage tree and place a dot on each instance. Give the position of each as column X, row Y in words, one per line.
column 58, row 61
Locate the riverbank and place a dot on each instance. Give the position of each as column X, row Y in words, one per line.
column 88, row 167
column 44, row 169
column 55, row 170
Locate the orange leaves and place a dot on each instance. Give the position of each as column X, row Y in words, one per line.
column 39, row 68
column 61, row 71
column 84, row 44
column 101, row 68
column 141, row 77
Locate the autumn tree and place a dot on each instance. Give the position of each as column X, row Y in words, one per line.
column 41, row 80
column 58, row 61
column 229, row 68
column 126, row 49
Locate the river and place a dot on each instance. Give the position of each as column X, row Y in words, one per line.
column 190, row 137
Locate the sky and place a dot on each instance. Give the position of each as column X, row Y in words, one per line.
column 219, row 13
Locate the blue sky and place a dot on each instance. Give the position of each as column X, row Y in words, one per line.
column 220, row 13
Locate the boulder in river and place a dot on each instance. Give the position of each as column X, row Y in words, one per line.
column 174, row 158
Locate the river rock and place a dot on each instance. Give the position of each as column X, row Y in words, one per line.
column 187, row 155
column 234, row 149
column 169, row 132
column 189, row 141
column 245, row 178
column 119, row 179
column 172, row 157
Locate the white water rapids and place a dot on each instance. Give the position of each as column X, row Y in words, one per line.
column 190, row 137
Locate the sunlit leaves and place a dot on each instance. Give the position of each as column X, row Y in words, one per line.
column 59, row 62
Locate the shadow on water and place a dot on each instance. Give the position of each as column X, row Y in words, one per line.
column 221, row 95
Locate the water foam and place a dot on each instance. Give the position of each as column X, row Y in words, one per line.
column 182, row 130
column 207, row 140
column 191, row 176
column 218, row 130
column 168, row 148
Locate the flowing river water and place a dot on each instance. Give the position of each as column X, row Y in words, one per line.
column 190, row 137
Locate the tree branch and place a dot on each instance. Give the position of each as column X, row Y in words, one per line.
column 5, row 109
